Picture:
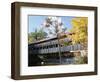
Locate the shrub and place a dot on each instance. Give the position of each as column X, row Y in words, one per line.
column 81, row 60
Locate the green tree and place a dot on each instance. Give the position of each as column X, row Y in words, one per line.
column 37, row 35
column 41, row 34
column 31, row 37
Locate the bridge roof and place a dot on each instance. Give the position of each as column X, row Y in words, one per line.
column 53, row 38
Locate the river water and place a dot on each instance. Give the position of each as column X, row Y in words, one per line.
column 64, row 60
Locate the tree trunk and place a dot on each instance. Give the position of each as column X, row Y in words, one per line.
column 59, row 49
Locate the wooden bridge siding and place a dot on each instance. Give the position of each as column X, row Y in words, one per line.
column 55, row 49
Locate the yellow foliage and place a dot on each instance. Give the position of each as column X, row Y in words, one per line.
column 79, row 29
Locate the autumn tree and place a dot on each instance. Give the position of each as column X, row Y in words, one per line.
column 56, row 23
column 79, row 30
